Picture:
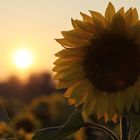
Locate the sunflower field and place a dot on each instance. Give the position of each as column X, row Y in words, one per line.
column 95, row 92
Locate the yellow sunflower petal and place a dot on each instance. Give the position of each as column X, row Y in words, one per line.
column 63, row 81
column 89, row 97
column 70, row 90
column 131, row 17
column 137, row 89
column 80, row 89
column 111, row 109
column 136, row 104
column 63, row 61
column 82, row 100
column 66, row 68
column 98, row 18
column 121, row 11
column 115, row 118
column 110, row 12
column 58, row 69
column 135, row 16
column 62, row 85
column 62, row 66
column 75, row 27
column 69, row 53
column 66, row 83
column 86, row 18
column 118, row 24
column 103, row 104
column 128, row 16
column 85, row 116
column 71, row 101
column 119, row 101
column 86, row 96
column 73, row 76
column 129, row 97
column 71, row 71
column 86, row 27
column 106, row 117
column 73, row 42
column 67, row 94
column 91, row 105
column 66, row 44
column 77, row 34
column 79, row 42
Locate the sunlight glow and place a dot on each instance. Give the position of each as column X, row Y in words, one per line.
column 22, row 58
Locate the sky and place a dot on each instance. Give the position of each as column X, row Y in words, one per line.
column 35, row 24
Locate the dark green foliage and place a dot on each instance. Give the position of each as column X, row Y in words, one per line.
column 74, row 123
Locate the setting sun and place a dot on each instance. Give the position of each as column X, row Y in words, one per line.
column 22, row 58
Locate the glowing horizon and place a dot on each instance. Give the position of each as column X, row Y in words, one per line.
column 35, row 24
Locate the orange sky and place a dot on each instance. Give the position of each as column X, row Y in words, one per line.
column 34, row 24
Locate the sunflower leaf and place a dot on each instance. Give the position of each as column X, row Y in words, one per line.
column 3, row 115
column 73, row 124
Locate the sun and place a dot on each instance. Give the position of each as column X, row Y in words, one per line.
column 22, row 58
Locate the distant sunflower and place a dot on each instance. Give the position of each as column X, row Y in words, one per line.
column 100, row 63
column 25, row 123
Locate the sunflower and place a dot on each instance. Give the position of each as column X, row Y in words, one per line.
column 100, row 63
column 25, row 122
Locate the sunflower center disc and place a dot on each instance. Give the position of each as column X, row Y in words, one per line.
column 112, row 62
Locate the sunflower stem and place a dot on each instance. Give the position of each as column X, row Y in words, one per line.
column 124, row 128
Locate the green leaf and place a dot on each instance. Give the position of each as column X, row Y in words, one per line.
column 4, row 115
column 73, row 124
